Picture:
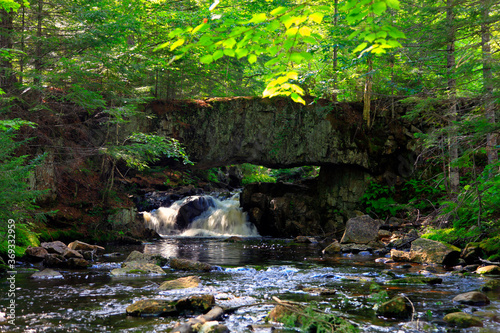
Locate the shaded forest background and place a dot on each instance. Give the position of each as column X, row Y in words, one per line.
column 101, row 60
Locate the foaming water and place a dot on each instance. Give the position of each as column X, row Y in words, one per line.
column 218, row 218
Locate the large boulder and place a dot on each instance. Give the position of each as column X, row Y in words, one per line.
column 152, row 308
column 181, row 283
column 189, row 265
column 429, row 251
column 35, row 253
column 361, row 230
column 398, row 307
column 191, row 208
column 489, row 270
column 146, row 258
column 472, row 298
column 83, row 247
column 56, row 247
column 462, row 320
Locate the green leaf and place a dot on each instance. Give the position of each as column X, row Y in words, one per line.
column 393, row 4
column 316, row 17
column 229, row 43
column 309, row 40
column 278, row 11
column 206, row 59
column 297, row 99
column 252, row 58
column 229, row 52
column 240, row 53
column 271, row 62
column 258, row 18
column 379, row 7
column 296, row 57
column 292, row 31
column 176, row 44
column 287, row 21
column 305, row 31
column 370, row 37
column 274, row 25
column 198, row 28
column 217, row 55
column 360, row 47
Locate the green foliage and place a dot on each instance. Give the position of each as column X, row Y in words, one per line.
column 310, row 319
column 146, row 148
column 295, row 173
column 421, row 194
column 378, row 200
column 16, row 198
column 255, row 174
column 87, row 99
column 456, row 236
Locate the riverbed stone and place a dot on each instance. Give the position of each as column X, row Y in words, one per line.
column 137, row 256
column 472, row 298
column 82, row 246
column 360, row 230
column 189, row 265
column 195, row 304
column 181, row 283
column 47, row 274
column 472, row 253
column 77, row 263
column 398, row 307
column 462, row 320
column 490, row 285
column 35, row 254
column 54, row 260
column 489, row 270
column 57, row 247
column 152, row 308
column 400, row 256
column 69, row 253
column 138, row 268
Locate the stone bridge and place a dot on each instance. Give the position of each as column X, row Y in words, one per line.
column 279, row 133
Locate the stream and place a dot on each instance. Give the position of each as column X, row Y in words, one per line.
column 248, row 274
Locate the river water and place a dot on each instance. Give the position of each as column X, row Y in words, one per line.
column 248, row 272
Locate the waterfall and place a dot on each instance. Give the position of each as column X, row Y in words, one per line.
column 205, row 216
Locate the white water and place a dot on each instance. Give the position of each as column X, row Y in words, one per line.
column 225, row 219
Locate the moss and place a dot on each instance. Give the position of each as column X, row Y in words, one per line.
column 462, row 320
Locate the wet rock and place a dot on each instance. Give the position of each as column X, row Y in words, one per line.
column 384, row 234
column 234, row 239
column 56, row 247
column 332, row 248
column 361, row 230
column 430, row 251
column 195, row 304
column 47, row 274
column 462, row 320
column 472, row 298
column 213, row 327
column 54, row 260
column 77, row 263
column 138, row 268
column 490, row 286
column 419, row 326
column 320, row 291
column 81, row 246
column 355, row 248
column 191, row 208
column 400, row 256
column 146, row 258
column 416, row 280
column 89, row 255
column 189, row 265
column 35, row 253
column 306, row 240
column 152, row 308
column 72, row 254
column 472, row 253
column 489, row 270
column 181, row 283
column 398, row 307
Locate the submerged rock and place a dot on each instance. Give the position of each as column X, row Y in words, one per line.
column 491, row 285
column 416, row 280
column 398, row 307
column 138, row 268
column 472, row 298
column 189, row 265
column 462, row 320
column 146, row 258
column 195, row 304
column 152, row 308
column 47, row 274
column 332, row 248
column 181, row 283
column 361, row 230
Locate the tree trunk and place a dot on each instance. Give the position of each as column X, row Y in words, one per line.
column 452, row 91
column 335, row 52
column 38, row 47
column 489, row 109
column 7, row 77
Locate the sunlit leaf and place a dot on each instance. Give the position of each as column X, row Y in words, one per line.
column 229, row 43
column 379, row 7
column 252, row 58
column 297, row 99
column 360, row 47
column 278, row 11
column 305, row 31
column 240, row 53
column 292, row 31
column 316, row 17
column 176, row 44
column 206, row 59
column 229, row 52
column 258, row 18
column 217, row 55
